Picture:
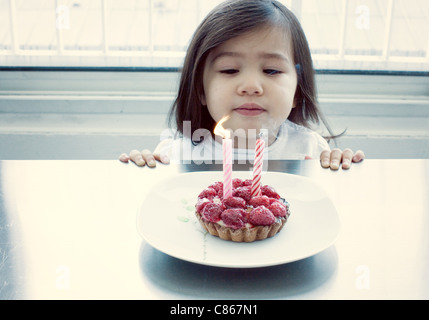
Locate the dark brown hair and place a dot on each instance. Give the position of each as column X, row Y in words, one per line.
column 231, row 19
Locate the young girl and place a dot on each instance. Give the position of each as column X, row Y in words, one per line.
column 249, row 61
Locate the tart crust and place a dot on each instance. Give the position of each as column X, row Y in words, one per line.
column 243, row 234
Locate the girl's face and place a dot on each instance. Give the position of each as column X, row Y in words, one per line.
column 252, row 78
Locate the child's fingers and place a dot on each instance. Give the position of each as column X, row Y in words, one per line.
column 137, row 158
column 335, row 160
column 163, row 158
column 145, row 157
column 149, row 158
column 358, row 156
column 347, row 158
column 159, row 152
column 331, row 159
column 124, row 158
column 325, row 158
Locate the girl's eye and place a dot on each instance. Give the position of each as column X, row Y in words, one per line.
column 229, row 71
column 272, row 72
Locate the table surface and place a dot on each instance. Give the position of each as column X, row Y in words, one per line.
column 68, row 231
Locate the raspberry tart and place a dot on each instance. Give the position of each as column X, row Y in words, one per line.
column 241, row 218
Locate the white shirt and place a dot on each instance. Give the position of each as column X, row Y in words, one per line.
column 294, row 142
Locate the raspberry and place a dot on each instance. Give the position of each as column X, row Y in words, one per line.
column 212, row 211
column 234, row 218
column 236, row 183
column 208, row 193
column 270, row 192
column 242, row 192
column 218, row 186
column 278, row 209
column 260, row 201
column 234, row 202
column 261, row 216
column 272, row 200
column 247, row 182
column 201, row 203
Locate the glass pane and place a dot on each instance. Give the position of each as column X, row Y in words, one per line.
column 321, row 21
column 80, row 25
column 167, row 16
column 128, row 26
column 343, row 34
column 365, row 28
column 410, row 29
column 5, row 36
column 33, row 25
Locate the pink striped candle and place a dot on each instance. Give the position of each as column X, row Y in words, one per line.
column 227, row 167
column 257, row 167
column 227, row 157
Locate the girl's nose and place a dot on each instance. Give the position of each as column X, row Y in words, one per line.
column 250, row 85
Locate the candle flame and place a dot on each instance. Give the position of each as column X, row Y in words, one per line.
column 220, row 130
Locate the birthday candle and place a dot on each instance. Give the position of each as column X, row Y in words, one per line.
column 257, row 167
column 227, row 157
column 227, row 167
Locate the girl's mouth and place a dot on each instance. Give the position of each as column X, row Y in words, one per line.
column 249, row 109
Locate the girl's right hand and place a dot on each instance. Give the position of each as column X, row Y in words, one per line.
column 146, row 157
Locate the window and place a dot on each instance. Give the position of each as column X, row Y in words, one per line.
column 343, row 34
column 356, row 34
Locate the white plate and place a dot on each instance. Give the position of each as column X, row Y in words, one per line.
column 167, row 222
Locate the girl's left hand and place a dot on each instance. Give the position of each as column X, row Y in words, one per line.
column 333, row 159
